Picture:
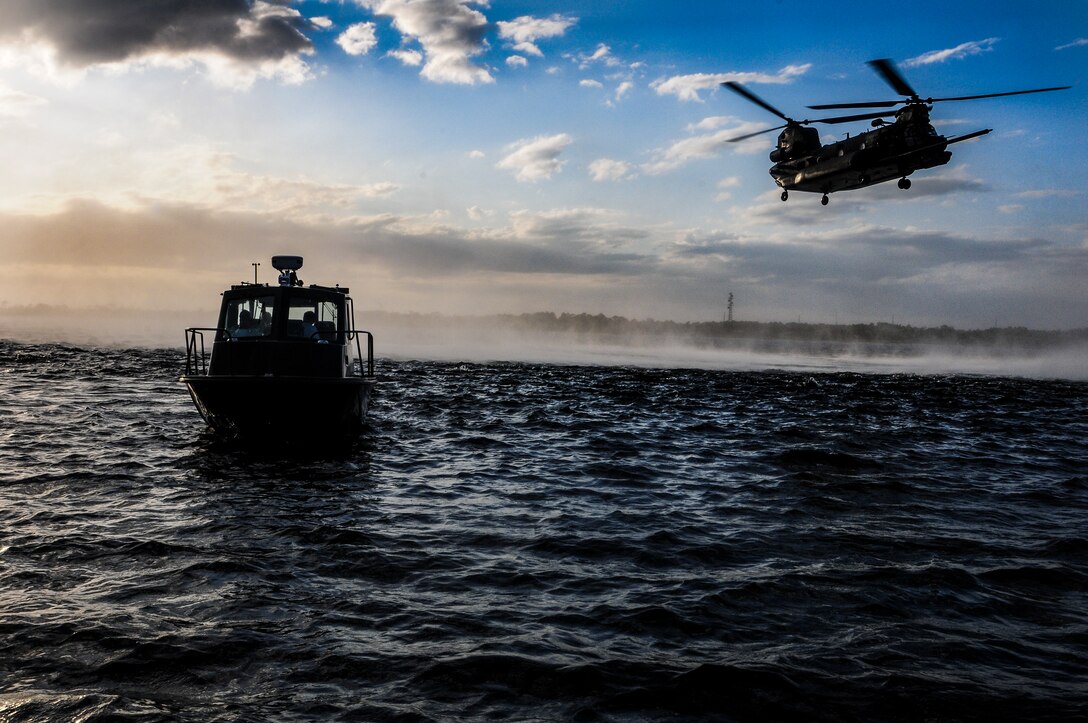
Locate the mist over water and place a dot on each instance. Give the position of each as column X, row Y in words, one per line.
column 540, row 541
column 485, row 339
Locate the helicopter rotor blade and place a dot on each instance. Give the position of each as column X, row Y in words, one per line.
column 872, row 104
column 749, row 95
column 998, row 95
column 892, row 103
column 753, row 135
column 891, row 75
column 851, row 118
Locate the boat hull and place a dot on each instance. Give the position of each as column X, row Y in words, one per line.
column 281, row 407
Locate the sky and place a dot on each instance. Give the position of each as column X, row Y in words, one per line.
column 505, row 157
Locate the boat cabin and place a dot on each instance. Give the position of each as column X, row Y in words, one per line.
column 292, row 330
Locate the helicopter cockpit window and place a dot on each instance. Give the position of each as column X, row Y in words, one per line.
column 249, row 317
column 312, row 319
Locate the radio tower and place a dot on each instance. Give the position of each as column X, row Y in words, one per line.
column 729, row 306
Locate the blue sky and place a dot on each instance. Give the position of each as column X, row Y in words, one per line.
column 475, row 158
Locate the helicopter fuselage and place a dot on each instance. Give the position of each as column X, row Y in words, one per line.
column 893, row 150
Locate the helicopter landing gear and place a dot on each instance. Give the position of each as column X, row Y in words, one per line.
column 824, row 200
column 904, row 183
column 785, row 196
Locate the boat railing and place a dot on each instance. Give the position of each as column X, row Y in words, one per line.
column 196, row 354
column 353, row 335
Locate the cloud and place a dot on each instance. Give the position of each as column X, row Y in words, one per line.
column 588, row 83
column 523, row 32
column 961, row 51
column 602, row 54
column 956, row 179
column 623, row 89
column 725, row 185
column 516, row 61
column 322, row 22
column 1050, row 193
column 258, row 39
column 449, row 32
column 606, row 169
column 687, row 87
column 866, row 259
column 707, row 145
column 1078, row 43
column 163, row 255
column 412, row 58
column 358, row 39
column 16, row 104
column 562, row 241
column 535, row 158
column 201, row 175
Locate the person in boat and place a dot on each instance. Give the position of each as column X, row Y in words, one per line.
column 309, row 325
column 246, row 324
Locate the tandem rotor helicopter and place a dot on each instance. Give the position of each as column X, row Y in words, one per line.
column 892, row 150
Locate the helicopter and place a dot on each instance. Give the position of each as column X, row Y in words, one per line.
column 892, row 150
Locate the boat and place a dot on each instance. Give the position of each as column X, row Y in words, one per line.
column 285, row 361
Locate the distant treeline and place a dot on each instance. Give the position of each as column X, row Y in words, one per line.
column 732, row 333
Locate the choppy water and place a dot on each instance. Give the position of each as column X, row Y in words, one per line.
column 535, row 542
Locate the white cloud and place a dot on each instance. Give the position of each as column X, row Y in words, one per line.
column 449, row 31
column 711, row 123
column 516, row 61
column 724, row 187
column 476, row 154
column 602, row 54
column 16, row 104
column 706, row 145
column 358, row 39
column 535, row 158
column 588, row 83
column 961, row 51
column 1049, row 193
column 1078, row 43
column 322, row 22
column 687, row 87
column 478, row 214
column 606, row 169
column 407, row 56
column 523, row 32
column 623, row 89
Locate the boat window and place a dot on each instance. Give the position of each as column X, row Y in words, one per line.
column 250, row 317
column 311, row 318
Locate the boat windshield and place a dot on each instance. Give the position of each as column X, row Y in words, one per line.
column 250, row 317
column 311, row 318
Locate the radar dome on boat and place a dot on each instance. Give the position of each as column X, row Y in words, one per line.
column 286, row 263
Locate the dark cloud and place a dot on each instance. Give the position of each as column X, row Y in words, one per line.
column 866, row 257
column 87, row 32
column 88, row 234
column 94, row 253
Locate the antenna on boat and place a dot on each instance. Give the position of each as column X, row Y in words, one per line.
column 287, row 266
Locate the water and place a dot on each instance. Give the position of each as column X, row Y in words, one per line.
column 543, row 542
